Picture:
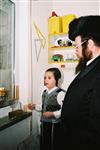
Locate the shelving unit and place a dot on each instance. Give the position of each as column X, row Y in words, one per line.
column 60, row 49
column 62, row 53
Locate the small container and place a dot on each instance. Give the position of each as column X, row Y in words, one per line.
column 2, row 91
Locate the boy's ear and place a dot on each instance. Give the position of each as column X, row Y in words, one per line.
column 60, row 81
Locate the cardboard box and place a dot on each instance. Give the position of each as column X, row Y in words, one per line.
column 55, row 25
column 65, row 22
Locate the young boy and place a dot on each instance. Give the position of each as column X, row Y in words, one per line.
column 52, row 98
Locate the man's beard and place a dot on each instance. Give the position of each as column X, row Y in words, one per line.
column 81, row 64
column 87, row 55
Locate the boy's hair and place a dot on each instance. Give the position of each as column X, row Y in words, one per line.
column 56, row 72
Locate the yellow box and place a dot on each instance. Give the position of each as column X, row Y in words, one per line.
column 55, row 25
column 66, row 20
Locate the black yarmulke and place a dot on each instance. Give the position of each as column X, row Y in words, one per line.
column 85, row 25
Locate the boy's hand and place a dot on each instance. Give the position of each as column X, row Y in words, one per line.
column 48, row 114
column 31, row 106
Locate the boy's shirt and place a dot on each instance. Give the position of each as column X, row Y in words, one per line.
column 60, row 98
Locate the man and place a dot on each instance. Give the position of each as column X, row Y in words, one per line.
column 81, row 107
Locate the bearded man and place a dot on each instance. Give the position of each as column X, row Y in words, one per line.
column 80, row 113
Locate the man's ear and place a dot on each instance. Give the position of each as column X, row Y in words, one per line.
column 90, row 44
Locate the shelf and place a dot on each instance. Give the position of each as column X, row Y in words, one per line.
column 53, row 34
column 61, row 47
column 67, row 61
column 6, row 122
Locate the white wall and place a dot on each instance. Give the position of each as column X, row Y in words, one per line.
column 26, row 34
column 23, row 49
column 79, row 7
column 30, row 83
column 40, row 14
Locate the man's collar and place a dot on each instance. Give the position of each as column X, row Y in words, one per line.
column 88, row 62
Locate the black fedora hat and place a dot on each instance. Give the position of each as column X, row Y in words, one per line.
column 85, row 26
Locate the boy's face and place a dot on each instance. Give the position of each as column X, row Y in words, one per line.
column 49, row 80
